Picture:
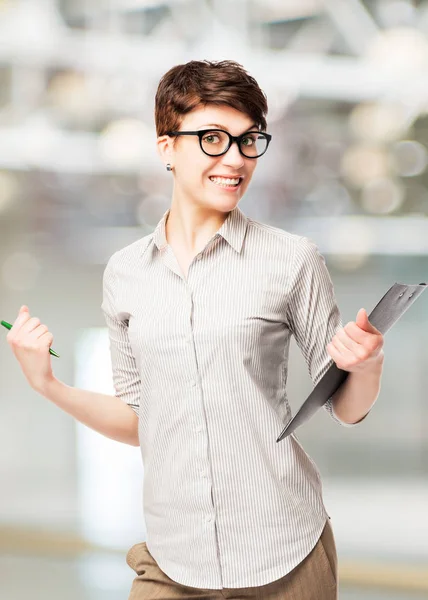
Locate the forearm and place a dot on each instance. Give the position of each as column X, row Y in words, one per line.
column 105, row 414
column 356, row 396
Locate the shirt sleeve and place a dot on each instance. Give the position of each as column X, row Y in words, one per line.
column 126, row 378
column 313, row 314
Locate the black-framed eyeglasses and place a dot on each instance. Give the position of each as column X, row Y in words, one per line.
column 216, row 142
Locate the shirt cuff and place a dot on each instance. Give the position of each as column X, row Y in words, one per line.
column 329, row 408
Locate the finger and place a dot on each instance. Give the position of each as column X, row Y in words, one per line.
column 345, row 354
column 46, row 339
column 369, row 341
column 355, row 348
column 36, row 333
column 21, row 319
column 356, row 333
column 364, row 323
column 29, row 326
column 334, row 353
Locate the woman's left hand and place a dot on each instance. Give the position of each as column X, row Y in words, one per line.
column 358, row 346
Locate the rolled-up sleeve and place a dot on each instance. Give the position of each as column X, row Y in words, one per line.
column 126, row 377
column 313, row 314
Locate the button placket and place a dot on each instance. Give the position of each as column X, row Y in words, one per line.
column 199, row 428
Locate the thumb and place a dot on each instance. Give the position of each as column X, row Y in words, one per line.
column 23, row 307
column 364, row 323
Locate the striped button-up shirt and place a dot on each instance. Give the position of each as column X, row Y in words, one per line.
column 203, row 361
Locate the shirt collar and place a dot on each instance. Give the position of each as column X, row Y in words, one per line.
column 233, row 230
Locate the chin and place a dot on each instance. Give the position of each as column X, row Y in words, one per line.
column 227, row 199
column 226, row 205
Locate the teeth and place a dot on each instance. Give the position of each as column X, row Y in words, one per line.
column 224, row 181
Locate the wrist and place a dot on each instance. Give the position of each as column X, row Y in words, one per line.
column 46, row 387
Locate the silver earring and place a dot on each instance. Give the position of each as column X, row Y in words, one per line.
column 168, row 167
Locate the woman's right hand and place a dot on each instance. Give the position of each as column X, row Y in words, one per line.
column 30, row 342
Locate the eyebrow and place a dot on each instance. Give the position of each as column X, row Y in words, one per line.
column 219, row 126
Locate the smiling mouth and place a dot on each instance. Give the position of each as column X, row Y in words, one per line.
column 227, row 183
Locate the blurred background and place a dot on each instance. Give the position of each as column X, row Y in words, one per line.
column 347, row 87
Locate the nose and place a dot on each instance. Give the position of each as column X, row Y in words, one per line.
column 233, row 158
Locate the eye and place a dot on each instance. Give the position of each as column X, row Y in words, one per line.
column 248, row 140
column 211, row 138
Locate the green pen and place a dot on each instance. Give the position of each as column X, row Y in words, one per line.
column 9, row 326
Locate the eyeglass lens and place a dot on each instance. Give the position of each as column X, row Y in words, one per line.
column 215, row 143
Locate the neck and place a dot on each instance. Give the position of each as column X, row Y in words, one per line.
column 190, row 227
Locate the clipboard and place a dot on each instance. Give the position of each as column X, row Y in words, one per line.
column 390, row 308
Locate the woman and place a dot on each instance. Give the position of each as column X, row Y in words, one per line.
column 200, row 315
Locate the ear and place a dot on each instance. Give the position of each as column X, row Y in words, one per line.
column 165, row 149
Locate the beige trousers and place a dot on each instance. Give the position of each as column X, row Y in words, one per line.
column 315, row 578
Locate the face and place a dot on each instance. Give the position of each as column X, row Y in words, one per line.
column 201, row 179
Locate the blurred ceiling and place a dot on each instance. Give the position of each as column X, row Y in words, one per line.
column 68, row 68
column 345, row 80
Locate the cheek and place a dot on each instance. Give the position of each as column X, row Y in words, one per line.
column 193, row 173
column 205, row 168
column 192, row 164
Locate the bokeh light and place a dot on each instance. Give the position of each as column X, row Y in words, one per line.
column 400, row 49
column 382, row 196
column 378, row 122
column 126, row 143
column 409, row 158
column 362, row 163
column 9, row 188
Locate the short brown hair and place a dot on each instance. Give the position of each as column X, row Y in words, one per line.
column 197, row 83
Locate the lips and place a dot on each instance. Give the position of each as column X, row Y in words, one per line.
column 227, row 176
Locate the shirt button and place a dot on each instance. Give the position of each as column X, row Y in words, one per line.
column 208, row 519
column 199, row 429
column 192, row 382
